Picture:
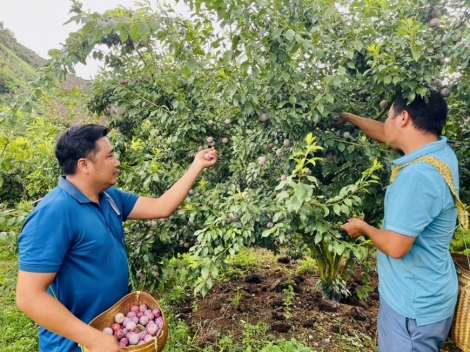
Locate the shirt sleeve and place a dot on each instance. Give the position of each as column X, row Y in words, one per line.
column 127, row 201
column 44, row 241
column 413, row 200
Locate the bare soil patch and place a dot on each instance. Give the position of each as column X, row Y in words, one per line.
column 261, row 295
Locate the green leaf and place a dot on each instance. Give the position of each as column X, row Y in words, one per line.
column 134, row 31
column 192, row 65
column 155, row 25
column 300, row 190
column 339, row 248
column 53, row 52
column 113, row 24
column 235, row 41
column 310, row 138
column 205, row 272
column 144, row 29
column 214, row 270
column 358, row 45
column 345, row 209
column 290, row 34
column 227, row 55
column 244, row 66
column 123, row 36
column 320, row 108
column 318, row 237
column 204, row 252
column 38, row 93
column 396, row 79
column 199, row 287
column 277, row 33
column 295, row 204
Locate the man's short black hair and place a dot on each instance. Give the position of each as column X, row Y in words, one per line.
column 76, row 143
column 429, row 116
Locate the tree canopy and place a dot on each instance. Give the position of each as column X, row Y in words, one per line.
column 263, row 81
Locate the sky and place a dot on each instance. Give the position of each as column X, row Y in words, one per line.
column 39, row 24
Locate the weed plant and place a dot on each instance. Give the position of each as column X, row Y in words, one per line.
column 288, row 300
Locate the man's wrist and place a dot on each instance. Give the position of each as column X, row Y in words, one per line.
column 196, row 167
column 366, row 229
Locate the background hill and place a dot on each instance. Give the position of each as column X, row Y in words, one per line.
column 18, row 65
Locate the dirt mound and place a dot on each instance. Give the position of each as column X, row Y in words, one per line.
column 289, row 302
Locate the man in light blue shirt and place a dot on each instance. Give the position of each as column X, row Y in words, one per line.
column 417, row 279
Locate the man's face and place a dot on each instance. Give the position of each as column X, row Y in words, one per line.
column 104, row 166
column 391, row 127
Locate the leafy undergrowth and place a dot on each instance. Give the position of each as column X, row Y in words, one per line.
column 268, row 303
column 259, row 303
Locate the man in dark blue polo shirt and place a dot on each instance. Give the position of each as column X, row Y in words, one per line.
column 73, row 263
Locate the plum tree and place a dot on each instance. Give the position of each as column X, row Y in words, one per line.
column 303, row 63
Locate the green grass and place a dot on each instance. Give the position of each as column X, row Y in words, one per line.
column 254, row 338
column 461, row 242
column 239, row 265
column 308, row 266
column 18, row 333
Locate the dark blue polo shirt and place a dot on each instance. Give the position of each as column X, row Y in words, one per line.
column 83, row 243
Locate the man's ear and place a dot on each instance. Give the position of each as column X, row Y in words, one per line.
column 82, row 165
column 405, row 118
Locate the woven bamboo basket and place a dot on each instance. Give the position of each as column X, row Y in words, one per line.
column 106, row 319
column 460, row 331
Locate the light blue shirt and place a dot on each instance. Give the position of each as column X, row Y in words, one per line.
column 422, row 285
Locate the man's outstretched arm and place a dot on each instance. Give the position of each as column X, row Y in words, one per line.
column 388, row 242
column 164, row 206
column 374, row 129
